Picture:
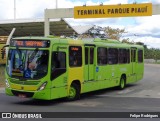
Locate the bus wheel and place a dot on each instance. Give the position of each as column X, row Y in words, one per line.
column 74, row 92
column 122, row 83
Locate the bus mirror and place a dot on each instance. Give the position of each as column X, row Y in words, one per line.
column 3, row 53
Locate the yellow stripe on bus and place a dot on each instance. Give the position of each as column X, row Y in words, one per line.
column 23, row 87
column 75, row 73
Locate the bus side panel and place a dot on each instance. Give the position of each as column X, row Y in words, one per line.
column 87, row 85
column 102, row 79
column 75, row 73
column 102, row 76
column 129, row 73
column 107, row 76
column 124, row 69
column 140, row 70
column 59, row 87
column 115, row 74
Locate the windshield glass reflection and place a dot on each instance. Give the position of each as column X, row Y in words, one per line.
column 30, row 64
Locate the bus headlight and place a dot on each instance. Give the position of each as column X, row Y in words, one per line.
column 42, row 86
column 7, row 83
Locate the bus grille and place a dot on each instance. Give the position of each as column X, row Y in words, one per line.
column 27, row 94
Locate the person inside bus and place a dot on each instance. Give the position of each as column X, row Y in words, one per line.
column 73, row 61
column 42, row 62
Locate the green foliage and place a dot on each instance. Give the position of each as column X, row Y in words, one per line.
column 127, row 41
column 114, row 33
column 152, row 53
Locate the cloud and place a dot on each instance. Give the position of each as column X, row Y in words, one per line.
column 151, row 42
column 6, row 9
column 31, row 8
column 155, row 1
column 146, row 26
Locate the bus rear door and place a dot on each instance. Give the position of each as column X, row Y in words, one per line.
column 133, row 63
column 89, row 69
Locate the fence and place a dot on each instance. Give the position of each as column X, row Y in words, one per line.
column 151, row 61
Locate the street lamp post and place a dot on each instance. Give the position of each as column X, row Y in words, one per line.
column 14, row 9
column 56, row 4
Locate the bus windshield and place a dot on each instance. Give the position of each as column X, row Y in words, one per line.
column 29, row 64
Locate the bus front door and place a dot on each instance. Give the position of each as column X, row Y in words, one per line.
column 133, row 63
column 58, row 71
column 89, row 69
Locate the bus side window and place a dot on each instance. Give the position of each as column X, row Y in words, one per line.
column 91, row 55
column 75, row 56
column 123, row 56
column 102, row 56
column 128, row 56
column 133, row 55
column 86, row 56
column 140, row 56
column 112, row 56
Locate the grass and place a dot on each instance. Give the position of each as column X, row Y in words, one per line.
column 2, row 75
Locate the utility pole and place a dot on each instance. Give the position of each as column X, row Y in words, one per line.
column 56, row 4
column 14, row 9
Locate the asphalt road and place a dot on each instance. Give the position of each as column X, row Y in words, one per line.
column 144, row 96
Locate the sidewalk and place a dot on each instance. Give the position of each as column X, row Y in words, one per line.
column 2, row 89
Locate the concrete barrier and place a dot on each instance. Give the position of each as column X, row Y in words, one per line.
column 150, row 61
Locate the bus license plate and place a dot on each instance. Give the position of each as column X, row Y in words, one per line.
column 22, row 95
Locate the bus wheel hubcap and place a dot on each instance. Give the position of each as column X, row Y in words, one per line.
column 122, row 83
column 72, row 92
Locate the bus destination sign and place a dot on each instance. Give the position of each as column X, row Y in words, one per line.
column 30, row 43
column 121, row 10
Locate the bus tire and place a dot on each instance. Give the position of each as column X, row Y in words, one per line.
column 74, row 92
column 122, row 83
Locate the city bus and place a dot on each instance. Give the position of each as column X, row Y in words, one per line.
column 52, row 67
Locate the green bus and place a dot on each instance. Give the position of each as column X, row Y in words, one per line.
column 52, row 67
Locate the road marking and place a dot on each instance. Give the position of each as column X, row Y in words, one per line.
column 125, row 91
column 83, row 103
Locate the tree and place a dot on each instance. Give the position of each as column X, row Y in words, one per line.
column 140, row 43
column 127, row 41
column 114, row 33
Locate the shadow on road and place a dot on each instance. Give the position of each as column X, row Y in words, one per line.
column 88, row 96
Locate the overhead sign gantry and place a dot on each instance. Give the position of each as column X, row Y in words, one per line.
column 101, row 11
column 105, row 11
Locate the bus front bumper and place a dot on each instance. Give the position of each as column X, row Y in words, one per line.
column 43, row 94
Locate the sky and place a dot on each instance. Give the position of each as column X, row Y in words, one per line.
column 143, row 29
